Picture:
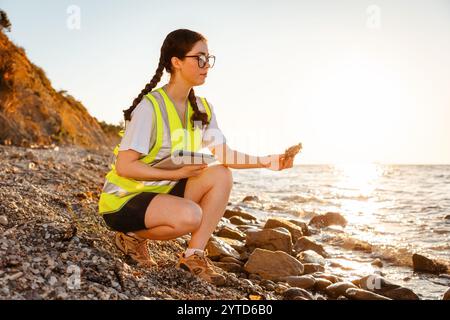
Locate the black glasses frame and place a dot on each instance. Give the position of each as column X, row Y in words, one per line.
column 201, row 62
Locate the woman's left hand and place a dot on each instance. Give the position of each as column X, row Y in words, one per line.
column 278, row 162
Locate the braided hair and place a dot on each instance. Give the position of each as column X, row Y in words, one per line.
column 177, row 44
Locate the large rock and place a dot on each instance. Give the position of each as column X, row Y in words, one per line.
column 424, row 264
column 273, row 265
column 305, row 229
column 217, row 248
column 304, row 282
column 270, row 239
column 296, row 231
column 328, row 219
column 446, row 295
column 339, row 289
column 360, row 294
column 312, row 268
column 237, row 212
column 306, row 243
column 239, row 221
column 310, row 256
column 381, row 286
column 322, row 284
column 237, row 245
column 227, row 232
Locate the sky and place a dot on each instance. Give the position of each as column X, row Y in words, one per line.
column 354, row 81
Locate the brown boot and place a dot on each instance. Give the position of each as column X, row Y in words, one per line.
column 199, row 265
column 136, row 249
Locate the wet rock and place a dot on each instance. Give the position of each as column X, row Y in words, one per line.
column 446, row 295
column 251, row 198
column 305, row 229
column 312, row 268
column 330, row 277
column 237, row 245
column 306, row 243
column 424, row 264
column 237, row 212
column 296, row 231
column 295, row 293
column 381, row 286
column 377, row 263
column 3, row 220
column 227, row 232
column 268, row 284
column 304, row 282
column 273, row 264
column 217, row 248
column 270, row 239
column 310, row 256
column 322, row 284
column 238, row 221
column 339, row 289
column 360, row 294
column 328, row 219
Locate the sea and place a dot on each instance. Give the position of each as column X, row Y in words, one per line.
column 393, row 211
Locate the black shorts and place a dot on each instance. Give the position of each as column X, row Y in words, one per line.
column 132, row 215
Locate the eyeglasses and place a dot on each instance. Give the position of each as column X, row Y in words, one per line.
column 202, row 60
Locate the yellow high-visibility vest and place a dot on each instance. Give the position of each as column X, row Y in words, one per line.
column 117, row 190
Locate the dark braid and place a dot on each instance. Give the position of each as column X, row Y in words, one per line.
column 198, row 115
column 148, row 88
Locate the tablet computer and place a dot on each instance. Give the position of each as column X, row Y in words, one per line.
column 181, row 158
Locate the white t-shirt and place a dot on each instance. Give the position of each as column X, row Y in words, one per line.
column 140, row 132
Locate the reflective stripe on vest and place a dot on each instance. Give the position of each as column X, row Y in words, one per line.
column 170, row 136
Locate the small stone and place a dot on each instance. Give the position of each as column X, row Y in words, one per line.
column 250, row 198
column 52, row 281
column 377, row 263
column 293, row 293
column 3, row 220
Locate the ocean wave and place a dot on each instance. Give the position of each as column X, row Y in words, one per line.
column 394, row 254
column 303, row 199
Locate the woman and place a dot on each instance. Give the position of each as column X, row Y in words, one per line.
column 144, row 203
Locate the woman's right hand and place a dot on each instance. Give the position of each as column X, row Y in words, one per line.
column 189, row 171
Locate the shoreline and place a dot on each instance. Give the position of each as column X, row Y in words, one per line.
column 54, row 245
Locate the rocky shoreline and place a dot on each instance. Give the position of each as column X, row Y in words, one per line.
column 53, row 244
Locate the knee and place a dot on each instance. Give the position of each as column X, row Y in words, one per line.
column 223, row 175
column 192, row 216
